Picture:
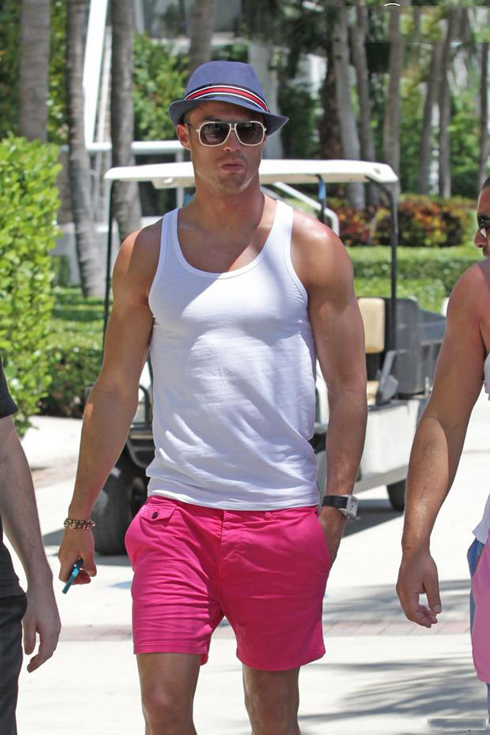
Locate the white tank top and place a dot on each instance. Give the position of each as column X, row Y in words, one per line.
column 481, row 531
column 233, row 360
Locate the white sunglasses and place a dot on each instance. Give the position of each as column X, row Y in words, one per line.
column 217, row 132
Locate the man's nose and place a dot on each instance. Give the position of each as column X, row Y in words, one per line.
column 232, row 144
column 479, row 240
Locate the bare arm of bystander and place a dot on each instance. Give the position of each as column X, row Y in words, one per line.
column 20, row 519
column 439, row 442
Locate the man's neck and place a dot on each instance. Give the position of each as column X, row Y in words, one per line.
column 227, row 213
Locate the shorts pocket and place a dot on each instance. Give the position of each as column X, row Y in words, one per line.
column 321, row 532
column 156, row 515
column 147, row 525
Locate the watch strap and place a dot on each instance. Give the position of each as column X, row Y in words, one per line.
column 337, row 501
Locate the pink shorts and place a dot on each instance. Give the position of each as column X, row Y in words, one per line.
column 266, row 571
column 480, row 638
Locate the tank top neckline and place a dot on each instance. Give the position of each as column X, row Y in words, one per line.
column 225, row 274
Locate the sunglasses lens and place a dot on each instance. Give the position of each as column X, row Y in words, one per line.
column 214, row 133
column 484, row 225
column 250, row 133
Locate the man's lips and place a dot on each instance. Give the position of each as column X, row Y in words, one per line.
column 232, row 165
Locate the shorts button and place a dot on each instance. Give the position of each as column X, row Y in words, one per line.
column 154, row 515
column 268, row 516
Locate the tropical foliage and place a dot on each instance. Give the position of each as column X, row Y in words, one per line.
column 28, row 204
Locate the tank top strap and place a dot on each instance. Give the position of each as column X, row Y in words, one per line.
column 282, row 227
column 165, row 252
column 280, row 248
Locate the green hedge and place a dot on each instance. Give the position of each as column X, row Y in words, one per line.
column 73, row 352
column 28, row 207
column 415, row 264
column 429, row 294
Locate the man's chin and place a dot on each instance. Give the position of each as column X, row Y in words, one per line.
column 234, row 182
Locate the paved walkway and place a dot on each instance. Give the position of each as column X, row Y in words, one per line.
column 380, row 675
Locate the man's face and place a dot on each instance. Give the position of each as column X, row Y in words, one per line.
column 483, row 216
column 228, row 168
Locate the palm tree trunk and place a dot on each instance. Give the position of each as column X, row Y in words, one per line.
column 202, row 26
column 391, row 123
column 358, row 44
column 430, row 98
column 417, row 19
column 35, row 25
column 348, row 127
column 329, row 127
column 127, row 208
column 91, row 276
column 445, row 107
column 484, row 147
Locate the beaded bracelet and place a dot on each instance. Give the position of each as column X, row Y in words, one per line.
column 79, row 525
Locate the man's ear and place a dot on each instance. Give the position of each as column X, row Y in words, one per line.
column 183, row 134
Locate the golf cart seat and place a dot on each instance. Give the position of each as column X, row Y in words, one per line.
column 381, row 384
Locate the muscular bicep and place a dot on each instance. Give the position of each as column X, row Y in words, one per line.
column 130, row 324
column 336, row 320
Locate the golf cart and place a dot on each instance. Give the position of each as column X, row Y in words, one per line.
column 402, row 344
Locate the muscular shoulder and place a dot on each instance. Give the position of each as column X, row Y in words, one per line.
column 318, row 254
column 469, row 304
column 137, row 261
column 472, row 290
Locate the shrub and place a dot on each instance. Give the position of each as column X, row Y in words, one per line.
column 28, row 206
column 415, row 264
column 74, row 351
column 159, row 79
column 422, row 222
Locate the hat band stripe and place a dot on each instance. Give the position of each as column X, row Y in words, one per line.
column 228, row 91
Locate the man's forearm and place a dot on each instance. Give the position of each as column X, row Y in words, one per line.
column 433, row 463
column 345, row 440
column 106, row 421
column 19, row 511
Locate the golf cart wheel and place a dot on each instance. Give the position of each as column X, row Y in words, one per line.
column 120, row 499
column 396, row 494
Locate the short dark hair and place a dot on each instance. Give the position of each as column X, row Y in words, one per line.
column 485, row 184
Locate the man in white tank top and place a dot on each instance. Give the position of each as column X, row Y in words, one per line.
column 235, row 297
column 462, row 367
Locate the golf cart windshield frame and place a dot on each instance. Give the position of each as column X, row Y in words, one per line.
column 321, row 173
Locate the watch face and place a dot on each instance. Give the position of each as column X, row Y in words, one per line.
column 351, row 509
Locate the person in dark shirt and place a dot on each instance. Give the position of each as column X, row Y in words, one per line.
column 37, row 608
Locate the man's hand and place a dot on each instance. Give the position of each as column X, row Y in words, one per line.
column 333, row 524
column 76, row 544
column 41, row 619
column 418, row 574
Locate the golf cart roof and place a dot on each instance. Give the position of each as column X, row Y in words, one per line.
column 172, row 175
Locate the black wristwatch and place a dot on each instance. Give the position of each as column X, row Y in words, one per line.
column 347, row 504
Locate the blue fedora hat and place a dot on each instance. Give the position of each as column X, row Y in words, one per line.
column 225, row 81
